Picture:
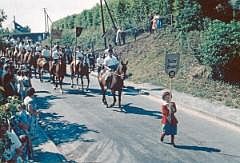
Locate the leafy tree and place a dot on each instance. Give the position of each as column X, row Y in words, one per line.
column 189, row 17
column 221, row 43
column 3, row 16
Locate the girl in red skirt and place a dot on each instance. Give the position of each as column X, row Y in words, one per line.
column 169, row 121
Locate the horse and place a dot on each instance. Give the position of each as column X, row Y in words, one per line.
column 80, row 69
column 42, row 65
column 116, row 84
column 32, row 61
column 57, row 72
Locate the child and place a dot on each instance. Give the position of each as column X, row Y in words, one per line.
column 169, row 121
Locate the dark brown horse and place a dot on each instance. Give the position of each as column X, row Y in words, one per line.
column 80, row 69
column 42, row 65
column 58, row 72
column 116, row 84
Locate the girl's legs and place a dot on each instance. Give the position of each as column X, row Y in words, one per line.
column 172, row 140
column 162, row 137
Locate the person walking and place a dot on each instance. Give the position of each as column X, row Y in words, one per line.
column 169, row 121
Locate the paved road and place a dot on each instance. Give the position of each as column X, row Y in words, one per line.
column 85, row 131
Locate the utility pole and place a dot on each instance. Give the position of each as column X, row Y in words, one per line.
column 45, row 19
column 103, row 25
column 109, row 12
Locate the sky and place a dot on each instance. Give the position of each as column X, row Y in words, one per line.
column 30, row 12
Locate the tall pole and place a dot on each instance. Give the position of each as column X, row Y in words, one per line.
column 109, row 12
column 75, row 54
column 103, row 25
column 45, row 19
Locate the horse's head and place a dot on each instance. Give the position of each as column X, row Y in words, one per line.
column 122, row 69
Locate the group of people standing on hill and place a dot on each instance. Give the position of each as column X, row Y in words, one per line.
column 155, row 22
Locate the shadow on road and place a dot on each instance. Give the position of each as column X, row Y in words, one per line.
column 198, row 148
column 43, row 101
column 41, row 156
column 132, row 91
column 128, row 109
column 63, row 131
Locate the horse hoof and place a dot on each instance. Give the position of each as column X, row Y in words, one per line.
column 71, row 86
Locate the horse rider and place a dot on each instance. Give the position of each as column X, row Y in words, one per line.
column 100, row 61
column 28, row 46
column 110, row 64
column 91, row 58
column 21, row 46
column 86, row 59
column 46, row 53
column 38, row 48
column 79, row 55
column 68, row 52
column 56, row 54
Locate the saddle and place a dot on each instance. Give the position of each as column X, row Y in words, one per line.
column 107, row 76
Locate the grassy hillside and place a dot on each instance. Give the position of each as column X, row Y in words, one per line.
column 146, row 64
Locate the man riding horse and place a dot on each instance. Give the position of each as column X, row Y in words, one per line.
column 110, row 65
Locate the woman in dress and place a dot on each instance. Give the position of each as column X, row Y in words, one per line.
column 169, row 121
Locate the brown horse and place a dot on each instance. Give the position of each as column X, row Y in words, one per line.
column 31, row 60
column 116, row 84
column 42, row 65
column 20, row 57
column 80, row 69
column 58, row 72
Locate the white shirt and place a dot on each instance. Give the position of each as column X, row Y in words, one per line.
column 20, row 46
column 28, row 47
column 100, row 61
column 38, row 48
column 117, row 37
column 46, row 53
column 55, row 54
column 110, row 61
column 79, row 55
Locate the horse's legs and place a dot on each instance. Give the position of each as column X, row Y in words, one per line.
column 54, row 82
column 72, row 77
column 35, row 72
column 77, row 80
column 57, row 81
column 114, row 98
column 119, row 98
column 40, row 72
column 88, row 81
column 60, row 84
column 104, row 101
column 82, row 82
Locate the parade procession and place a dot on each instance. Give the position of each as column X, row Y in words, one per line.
column 130, row 81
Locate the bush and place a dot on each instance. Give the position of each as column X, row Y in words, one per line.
column 221, row 42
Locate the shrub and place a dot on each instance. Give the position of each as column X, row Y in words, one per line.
column 221, row 42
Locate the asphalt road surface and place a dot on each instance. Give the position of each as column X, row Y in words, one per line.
column 84, row 130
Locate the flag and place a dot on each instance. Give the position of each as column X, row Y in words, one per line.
column 78, row 31
column 56, row 34
column 20, row 28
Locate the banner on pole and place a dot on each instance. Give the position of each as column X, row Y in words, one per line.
column 56, row 33
column 172, row 64
column 78, row 31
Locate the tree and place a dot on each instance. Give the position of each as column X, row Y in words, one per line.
column 3, row 16
column 189, row 17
